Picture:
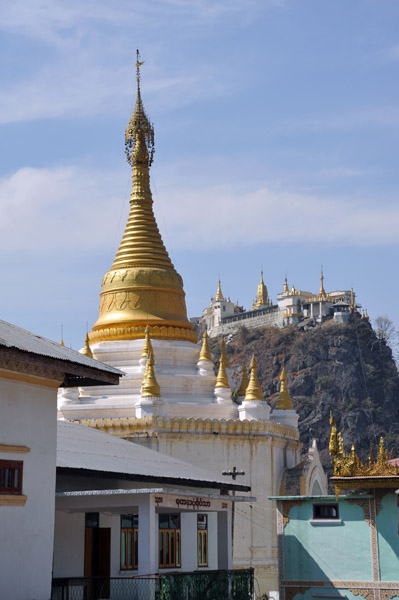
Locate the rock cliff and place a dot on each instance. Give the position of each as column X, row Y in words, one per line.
column 345, row 369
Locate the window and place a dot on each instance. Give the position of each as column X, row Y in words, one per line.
column 325, row 511
column 169, row 541
column 129, row 541
column 11, row 476
column 202, row 540
column 92, row 519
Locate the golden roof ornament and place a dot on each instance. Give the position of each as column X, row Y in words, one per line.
column 284, row 401
column 262, row 297
column 322, row 291
column 222, row 379
column 150, row 387
column 219, row 295
column 253, row 391
column 147, row 347
column 244, row 382
column 87, row 350
column 205, row 354
column 142, row 287
column 351, row 473
column 224, row 354
column 285, row 288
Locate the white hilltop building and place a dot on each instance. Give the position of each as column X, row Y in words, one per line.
column 170, row 399
column 222, row 316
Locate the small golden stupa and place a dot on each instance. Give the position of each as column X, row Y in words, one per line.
column 253, row 391
column 284, row 401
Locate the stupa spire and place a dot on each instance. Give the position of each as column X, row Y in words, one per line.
column 253, row 391
column 205, row 354
column 87, row 350
column 244, row 382
column 322, row 291
column 142, row 287
column 150, row 387
column 284, row 401
column 262, row 297
column 219, row 295
column 222, row 380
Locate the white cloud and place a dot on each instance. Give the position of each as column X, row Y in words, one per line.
column 75, row 209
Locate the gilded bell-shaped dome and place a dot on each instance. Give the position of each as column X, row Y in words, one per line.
column 142, row 288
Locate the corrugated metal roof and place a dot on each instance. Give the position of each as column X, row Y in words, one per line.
column 12, row 336
column 81, row 447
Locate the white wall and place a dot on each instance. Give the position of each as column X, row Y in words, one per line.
column 28, row 418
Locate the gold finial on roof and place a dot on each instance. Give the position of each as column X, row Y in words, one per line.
column 366, row 315
column 284, row 401
column 147, row 348
column 62, row 335
column 244, row 382
column 87, row 350
column 142, row 287
column 219, row 295
column 293, row 290
column 322, row 291
column 224, row 354
column 205, row 354
column 222, row 379
column 262, row 297
column 285, row 288
column 150, row 387
column 362, row 475
column 253, row 391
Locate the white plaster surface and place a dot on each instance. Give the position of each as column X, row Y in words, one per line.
column 28, row 418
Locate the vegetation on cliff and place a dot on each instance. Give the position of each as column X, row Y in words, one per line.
column 345, row 369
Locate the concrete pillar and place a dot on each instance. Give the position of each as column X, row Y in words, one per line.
column 225, row 555
column 148, row 537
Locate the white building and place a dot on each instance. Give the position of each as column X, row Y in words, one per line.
column 170, row 399
column 31, row 370
column 123, row 510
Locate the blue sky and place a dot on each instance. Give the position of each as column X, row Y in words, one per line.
column 277, row 143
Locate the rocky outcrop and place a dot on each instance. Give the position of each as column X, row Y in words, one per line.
column 345, row 369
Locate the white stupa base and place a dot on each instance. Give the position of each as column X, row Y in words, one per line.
column 205, row 368
column 150, row 406
column 286, row 417
column 254, row 409
column 184, row 390
column 223, row 396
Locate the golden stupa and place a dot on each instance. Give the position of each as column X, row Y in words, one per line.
column 142, row 287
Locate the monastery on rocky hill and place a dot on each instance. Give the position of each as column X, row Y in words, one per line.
column 170, row 399
column 223, row 316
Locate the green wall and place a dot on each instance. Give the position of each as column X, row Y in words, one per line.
column 323, row 552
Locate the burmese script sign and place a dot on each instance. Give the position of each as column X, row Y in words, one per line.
column 190, row 503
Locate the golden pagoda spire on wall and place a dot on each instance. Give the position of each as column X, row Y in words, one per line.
column 87, row 350
column 262, row 297
column 244, row 382
column 205, row 354
column 219, row 295
column 284, row 401
column 253, row 391
column 147, row 348
column 142, row 287
column 150, row 387
column 285, row 288
column 222, row 379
